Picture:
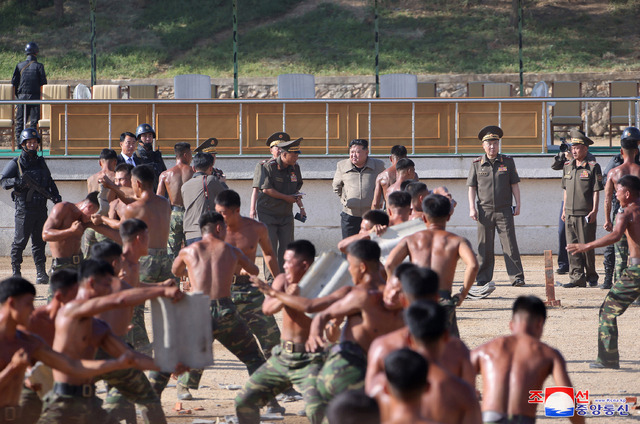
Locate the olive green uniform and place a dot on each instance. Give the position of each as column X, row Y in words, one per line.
column 176, row 231
column 579, row 183
column 493, row 181
column 277, row 214
column 73, row 404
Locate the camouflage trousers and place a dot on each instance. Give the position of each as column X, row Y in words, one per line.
column 137, row 337
column 622, row 294
column 248, row 301
column 232, row 331
column 65, row 409
column 621, row 249
column 89, row 238
column 31, row 406
column 156, row 266
column 449, row 304
column 275, row 376
column 344, row 369
column 176, row 232
column 72, row 263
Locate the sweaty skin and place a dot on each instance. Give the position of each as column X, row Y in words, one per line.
column 210, row 264
column 629, row 167
column 439, row 250
column 65, row 225
column 107, row 169
column 171, row 180
column 154, row 210
column 383, row 181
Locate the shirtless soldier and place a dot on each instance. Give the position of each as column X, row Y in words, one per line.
column 627, row 288
column 405, row 171
column 439, row 250
column 79, row 335
column 20, row 349
column 170, row 182
column 123, row 182
column 387, row 177
column 210, row 265
column 511, row 366
column 629, row 151
column 367, row 318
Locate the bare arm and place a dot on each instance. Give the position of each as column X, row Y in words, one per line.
column 374, row 379
column 609, row 188
column 300, row 303
column 246, row 263
column 471, row 267
column 161, row 190
column 396, row 256
column 271, row 305
column 105, row 181
column 116, row 348
column 348, row 305
column 561, row 378
column 253, row 211
column 179, row 267
column 344, row 243
column 51, row 230
column 473, row 213
column 17, row 366
column 614, row 236
column 377, row 194
column 267, row 251
column 515, row 189
column 107, row 231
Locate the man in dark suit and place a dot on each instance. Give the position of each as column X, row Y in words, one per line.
column 128, row 145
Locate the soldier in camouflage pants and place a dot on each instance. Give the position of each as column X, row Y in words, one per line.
column 176, row 231
column 84, row 409
column 234, row 334
column 449, row 304
column 281, row 370
column 248, row 301
column 621, row 295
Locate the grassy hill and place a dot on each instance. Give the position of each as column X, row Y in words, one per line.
column 163, row 38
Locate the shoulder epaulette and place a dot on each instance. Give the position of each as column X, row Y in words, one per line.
column 478, row 159
column 506, row 156
column 592, row 162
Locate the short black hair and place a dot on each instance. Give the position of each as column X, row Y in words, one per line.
column 365, row 250
column 376, row 217
column 63, row 279
column 209, row 220
column 95, row 268
column 631, row 183
column 399, row 151
column 404, row 163
column 202, row 161
column 359, row 142
column 303, row 248
column 530, row 305
column 404, row 266
column 14, row 287
column 181, row 148
column 125, row 134
column 228, row 199
column 93, row 198
column 131, row 228
column 144, row 174
column 107, row 250
column 399, row 199
column 124, row 167
column 436, row 206
column 108, row 154
column 415, row 189
column 353, row 407
column 419, row 282
column 406, row 372
column 427, row 321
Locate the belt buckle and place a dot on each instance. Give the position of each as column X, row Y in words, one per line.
column 87, row 390
column 10, row 413
column 75, row 259
column 288, row 347
column 233, row 280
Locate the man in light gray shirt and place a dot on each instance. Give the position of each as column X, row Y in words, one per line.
column 355, row 182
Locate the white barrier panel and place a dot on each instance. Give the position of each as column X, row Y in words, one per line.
column 327, row 274
column 182, row 332
column 394, row 234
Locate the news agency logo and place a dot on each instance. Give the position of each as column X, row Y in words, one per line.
column 558, row 401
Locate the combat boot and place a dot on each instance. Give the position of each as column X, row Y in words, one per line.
column 41, row 274
column 183, row 392
column 16, row 270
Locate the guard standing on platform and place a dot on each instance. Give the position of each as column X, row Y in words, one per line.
column 280, row 189
column 30, row 179
column 27, row 80
column 581, row 182
column 145, row 136
column 494, row 179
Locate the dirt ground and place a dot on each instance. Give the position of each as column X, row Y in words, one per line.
column 571, row 328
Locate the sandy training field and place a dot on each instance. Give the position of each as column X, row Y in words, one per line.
column 571, row 328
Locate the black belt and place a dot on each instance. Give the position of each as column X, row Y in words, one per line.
column 225, row 301
column 75, row 260
column 83, row 390
column 177, row 208
column 10, row 414
column 291, row 347
column 241, row 280
column 633, row 261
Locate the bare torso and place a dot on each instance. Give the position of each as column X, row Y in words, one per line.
column 130, row 272
column 245, row 237
column 632, row 215
column 295, row 324
column 62, row 217
column 13, row 387
column 155, row 211
column 438, row 250
column 118, row 319
column 93, row 185
column 42, row 323
column 171, row 181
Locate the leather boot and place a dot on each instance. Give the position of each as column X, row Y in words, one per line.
column 16, row 270
column 41, row 274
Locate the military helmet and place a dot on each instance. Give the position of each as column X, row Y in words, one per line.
column 31, row 48
column 143, row 129
column 27, row 134
column 631, row 134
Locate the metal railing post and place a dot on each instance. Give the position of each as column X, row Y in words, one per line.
column 369, row 127
column 326, row 128
column 413, row 128
column 66, row 129
column 240, row 129
column 109, row 125
column 197, row 124
column 455, row 129
column 284, row 119
column 500, row 124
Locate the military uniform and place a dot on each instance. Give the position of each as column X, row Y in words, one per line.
column 152, row 158
column 277, row 214
column 78, row 404
column 493, row 180
column 28, row 78
column 289, row 364
column 176, row 231
column 579, row 183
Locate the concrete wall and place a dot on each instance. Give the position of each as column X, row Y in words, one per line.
column 536, row 226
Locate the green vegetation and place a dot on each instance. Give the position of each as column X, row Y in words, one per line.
column 170, row 37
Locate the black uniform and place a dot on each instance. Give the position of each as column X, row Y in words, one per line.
column 150, row 157
column 27, row 79
column 31, row 206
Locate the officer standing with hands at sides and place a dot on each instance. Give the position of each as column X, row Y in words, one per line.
column 581, row 182
column 145, row 136
column 28, row 78
column 30, row 200
column 493, row 179
column 280, row 189
column 258, row 173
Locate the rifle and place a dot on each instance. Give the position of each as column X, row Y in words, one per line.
column 34, row 187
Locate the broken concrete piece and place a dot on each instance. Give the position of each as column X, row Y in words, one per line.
column 327, row 274
column 394, row 234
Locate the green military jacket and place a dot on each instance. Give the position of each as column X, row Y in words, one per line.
column 286, row 180
column 493, row 181
column 580, row 182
